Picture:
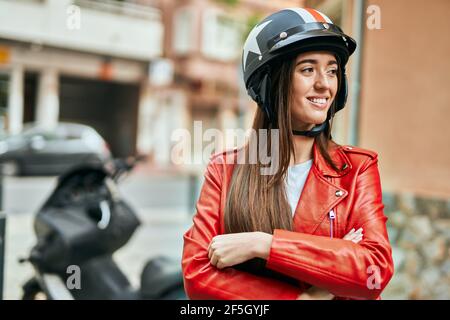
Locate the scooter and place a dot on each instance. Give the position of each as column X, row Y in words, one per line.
column 78, row 228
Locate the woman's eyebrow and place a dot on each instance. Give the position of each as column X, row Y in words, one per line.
column 314, row 61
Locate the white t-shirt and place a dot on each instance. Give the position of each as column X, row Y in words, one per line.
column 295, row 181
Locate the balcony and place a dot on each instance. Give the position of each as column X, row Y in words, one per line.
column 127, row 29
column 146, row 9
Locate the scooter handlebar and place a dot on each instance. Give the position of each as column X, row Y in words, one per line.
column 121, row 166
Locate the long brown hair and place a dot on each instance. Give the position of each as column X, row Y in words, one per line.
column 258, row 202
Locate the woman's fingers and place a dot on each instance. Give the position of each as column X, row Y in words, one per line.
column 212, row 246
column 351, row 232
column 349, row 235
column 354, row 236
column 214, row 259
column 357, row 240
column 209, row 253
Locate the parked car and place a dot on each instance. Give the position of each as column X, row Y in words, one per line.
column 37, row 151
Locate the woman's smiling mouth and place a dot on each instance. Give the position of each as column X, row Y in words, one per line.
column 319, row 102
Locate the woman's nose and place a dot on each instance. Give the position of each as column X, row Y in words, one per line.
column 322, row 82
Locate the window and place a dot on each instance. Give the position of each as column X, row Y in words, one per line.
column 222, row 36
column 183, row 31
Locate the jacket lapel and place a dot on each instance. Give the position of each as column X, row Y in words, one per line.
column 320, row 194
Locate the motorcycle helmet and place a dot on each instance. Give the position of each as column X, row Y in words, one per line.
column 282, row 34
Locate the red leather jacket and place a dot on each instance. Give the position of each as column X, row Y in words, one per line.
column 331, row 204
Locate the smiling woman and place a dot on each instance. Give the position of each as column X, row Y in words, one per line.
column 315, row 228
column 315, row 83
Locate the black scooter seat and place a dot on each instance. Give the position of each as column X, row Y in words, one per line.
column 160, row 276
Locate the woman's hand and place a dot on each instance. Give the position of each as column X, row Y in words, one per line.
column 355, row 236
column 315, row 293
column 230, row 249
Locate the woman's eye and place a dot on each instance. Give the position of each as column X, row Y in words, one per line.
column 308, row 70
column 333, row 71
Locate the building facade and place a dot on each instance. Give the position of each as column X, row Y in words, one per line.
column 81, row 61
column 203, row 40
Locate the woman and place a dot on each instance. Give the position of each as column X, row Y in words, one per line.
column 291, row 234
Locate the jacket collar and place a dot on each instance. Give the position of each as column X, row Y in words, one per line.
column 320, row 195
column 339, row 157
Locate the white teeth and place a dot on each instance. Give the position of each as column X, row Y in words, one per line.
column 318, row 100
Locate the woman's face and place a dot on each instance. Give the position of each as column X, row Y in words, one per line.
column 315, row 84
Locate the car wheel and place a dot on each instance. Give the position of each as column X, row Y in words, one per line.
column 10, row 168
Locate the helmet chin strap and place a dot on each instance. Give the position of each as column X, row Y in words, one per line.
column 317, row 128
column 313, row 132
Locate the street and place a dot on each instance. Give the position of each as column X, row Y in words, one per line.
column 162, row 203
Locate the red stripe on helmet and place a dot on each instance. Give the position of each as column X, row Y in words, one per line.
column 316, row 15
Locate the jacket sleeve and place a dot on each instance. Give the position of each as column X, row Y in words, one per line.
column 342, row 267
column 204, row 281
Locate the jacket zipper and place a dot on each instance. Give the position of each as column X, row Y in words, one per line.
column 332, row 216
